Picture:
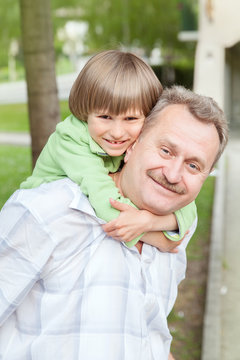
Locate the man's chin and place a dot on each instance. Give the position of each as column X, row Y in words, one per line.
column 158, row 210
column 162, row 206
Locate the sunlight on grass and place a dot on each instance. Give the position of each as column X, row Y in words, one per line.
column 204, row 204
column 14, row 117
column 15, row 162
column 15, row 166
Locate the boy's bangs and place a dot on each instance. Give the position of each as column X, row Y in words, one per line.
column 120, row 98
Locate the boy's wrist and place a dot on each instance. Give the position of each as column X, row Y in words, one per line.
column 148, row 223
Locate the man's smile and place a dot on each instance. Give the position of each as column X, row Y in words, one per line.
column 161, row 180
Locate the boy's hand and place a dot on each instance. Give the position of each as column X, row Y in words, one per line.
column 129, row 224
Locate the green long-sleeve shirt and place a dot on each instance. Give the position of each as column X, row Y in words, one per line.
column 70, row 151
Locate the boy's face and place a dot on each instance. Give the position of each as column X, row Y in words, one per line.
column 115, row 133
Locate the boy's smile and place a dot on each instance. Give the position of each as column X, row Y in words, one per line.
column 115, row 133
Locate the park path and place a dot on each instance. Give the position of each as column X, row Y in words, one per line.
column 16, row 91
column 11, row 138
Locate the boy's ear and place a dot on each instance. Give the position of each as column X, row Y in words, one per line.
column 129, row 151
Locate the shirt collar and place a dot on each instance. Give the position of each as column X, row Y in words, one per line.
column 81, row 203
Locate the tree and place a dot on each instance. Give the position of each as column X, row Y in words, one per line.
column 39, row 59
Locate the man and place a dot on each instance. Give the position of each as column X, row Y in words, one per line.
column 70, row 292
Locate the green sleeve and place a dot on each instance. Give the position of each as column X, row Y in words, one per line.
column 185, row 218
column 71, row 152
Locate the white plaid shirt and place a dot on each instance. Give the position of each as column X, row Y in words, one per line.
column 69, row 292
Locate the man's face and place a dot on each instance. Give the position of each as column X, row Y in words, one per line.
column 168, row 165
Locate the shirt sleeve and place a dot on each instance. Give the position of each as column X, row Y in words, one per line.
column 185, row 219
column 24, row 250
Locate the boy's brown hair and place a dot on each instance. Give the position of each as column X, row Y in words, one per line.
column 114, row 81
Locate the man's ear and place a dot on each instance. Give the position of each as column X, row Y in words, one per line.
column 213, row 171
column 129, row 151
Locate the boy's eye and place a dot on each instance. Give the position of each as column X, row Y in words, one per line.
column 129, row 118
column 104, row 116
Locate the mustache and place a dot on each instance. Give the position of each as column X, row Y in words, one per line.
column 162, row 180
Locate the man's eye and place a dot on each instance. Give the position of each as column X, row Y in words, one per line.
column 165, row 151
column 193, row 167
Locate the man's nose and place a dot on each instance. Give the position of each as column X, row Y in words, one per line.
column 117, row 129
column 173, row 171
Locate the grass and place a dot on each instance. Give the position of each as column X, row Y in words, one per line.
column 15, row 162
column 14, row 117
column 15, row 166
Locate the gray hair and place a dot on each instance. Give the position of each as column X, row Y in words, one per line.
column 203, row 108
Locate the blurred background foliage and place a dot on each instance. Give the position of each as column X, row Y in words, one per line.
column 84, row 27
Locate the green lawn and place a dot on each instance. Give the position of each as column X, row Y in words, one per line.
column 15, row 162
column 14, row 117
column 15, row 166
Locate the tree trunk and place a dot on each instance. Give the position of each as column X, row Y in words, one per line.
column 39, row 59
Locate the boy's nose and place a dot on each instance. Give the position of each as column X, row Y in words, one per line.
column 117, row 130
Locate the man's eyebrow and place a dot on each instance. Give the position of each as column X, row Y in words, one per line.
column 168, row 142
column 175, row 147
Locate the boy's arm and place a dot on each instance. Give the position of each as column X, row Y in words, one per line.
column 133, row 222
column 70, row 152
column 185, row 218
column 90, row 171
column 77, row 156
column 161, row 242
column 158, row 240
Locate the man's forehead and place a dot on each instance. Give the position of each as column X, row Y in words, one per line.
column 171, row 111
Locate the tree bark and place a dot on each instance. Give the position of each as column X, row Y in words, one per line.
column 39, row 59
